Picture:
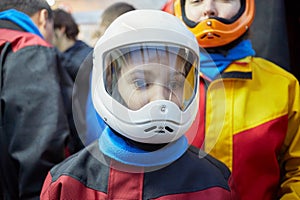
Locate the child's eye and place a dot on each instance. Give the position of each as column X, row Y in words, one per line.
column 140, row 83
column 194, row 1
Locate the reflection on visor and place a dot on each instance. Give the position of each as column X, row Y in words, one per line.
column 138, row 74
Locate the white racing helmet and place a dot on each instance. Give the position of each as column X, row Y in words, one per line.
column 145, row 76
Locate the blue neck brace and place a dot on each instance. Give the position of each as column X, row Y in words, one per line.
column 21, row 20
column 116, row 148
column 221, row 62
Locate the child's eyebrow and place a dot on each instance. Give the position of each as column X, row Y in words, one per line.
column 139, row 71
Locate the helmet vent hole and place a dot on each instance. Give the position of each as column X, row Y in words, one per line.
column 150, row 129
column 169, row 129
column 210, row 36
column 160, row 131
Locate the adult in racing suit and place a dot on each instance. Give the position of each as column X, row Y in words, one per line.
column 34, row 126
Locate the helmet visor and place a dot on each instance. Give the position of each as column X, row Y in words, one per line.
column 137, row 74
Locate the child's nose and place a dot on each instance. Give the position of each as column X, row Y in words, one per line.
column 209, row 8
column 160, row 92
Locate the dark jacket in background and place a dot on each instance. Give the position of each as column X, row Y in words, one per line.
column 34, row 126
column 73, row 57
column 72, row 60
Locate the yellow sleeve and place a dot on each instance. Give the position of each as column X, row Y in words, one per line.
column 290, row 162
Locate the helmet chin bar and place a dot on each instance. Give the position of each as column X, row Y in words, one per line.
column 158, row 122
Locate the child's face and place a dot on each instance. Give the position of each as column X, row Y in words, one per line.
column 140, row 85
column 200, row 10
column 151, row 75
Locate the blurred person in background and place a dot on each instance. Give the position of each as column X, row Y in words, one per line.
column 34, row 91
column 250, row 112
column 86, row 117
column 74, row 51
column 110, row 14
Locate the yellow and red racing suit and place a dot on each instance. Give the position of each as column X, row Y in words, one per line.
column 251, row 123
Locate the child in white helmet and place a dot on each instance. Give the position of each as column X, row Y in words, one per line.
column 145, row 86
